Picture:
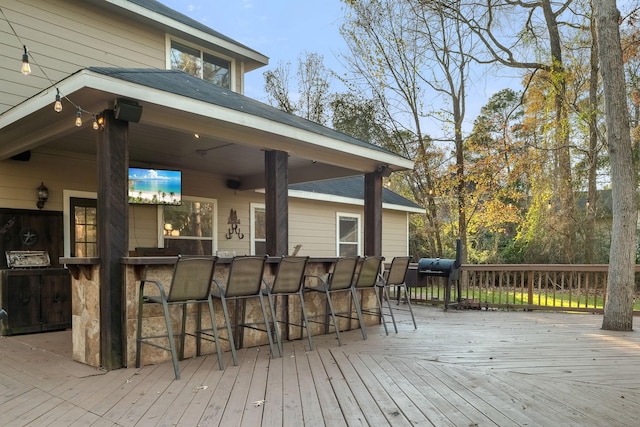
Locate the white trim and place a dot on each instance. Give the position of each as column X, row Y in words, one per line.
column 309, row 195
column 66, row 214
column 252, row 220
column 348, row 215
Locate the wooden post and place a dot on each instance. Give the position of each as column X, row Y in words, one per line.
column 277, row 202
column 113, row 237
column 373, row 214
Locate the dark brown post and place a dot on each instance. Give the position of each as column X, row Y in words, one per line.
column 276, row 202
column 373, row 214
column 113, row 236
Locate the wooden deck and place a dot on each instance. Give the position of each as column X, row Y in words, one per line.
column 460, row 368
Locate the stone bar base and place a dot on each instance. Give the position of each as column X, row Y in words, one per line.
column 86, row 311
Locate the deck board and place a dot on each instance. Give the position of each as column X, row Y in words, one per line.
column 460, row 368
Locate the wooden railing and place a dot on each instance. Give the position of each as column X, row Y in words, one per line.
column 565, row 287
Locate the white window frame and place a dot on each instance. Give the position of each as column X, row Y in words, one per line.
column 232, row 62
column 214, row 227
column 358, row 244
column 252, row 216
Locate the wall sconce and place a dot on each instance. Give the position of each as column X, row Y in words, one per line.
column 42, row 192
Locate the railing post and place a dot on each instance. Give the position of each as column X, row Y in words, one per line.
column 530, row 288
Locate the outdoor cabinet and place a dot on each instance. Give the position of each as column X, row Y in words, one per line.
column 36, row 300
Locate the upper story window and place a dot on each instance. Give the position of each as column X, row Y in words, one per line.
column 201, row 64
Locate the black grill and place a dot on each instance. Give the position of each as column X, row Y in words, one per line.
column 443, row 267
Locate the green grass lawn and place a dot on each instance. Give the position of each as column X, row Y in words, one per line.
column 542, row 298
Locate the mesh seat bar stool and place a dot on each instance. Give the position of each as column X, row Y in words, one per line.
column 243, row 282
column 190, row 284
column 339, row 280
column 289, row 281
column 368, row 277
column 396, row 278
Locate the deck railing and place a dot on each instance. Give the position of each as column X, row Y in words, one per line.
column 564, row 287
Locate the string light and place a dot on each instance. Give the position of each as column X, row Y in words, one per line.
column 26, row 68
column 58, row 104
column 79, row 117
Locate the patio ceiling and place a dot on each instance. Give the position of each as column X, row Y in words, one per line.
column 234, row 131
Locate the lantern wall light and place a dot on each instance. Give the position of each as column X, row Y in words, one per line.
column 42, row 193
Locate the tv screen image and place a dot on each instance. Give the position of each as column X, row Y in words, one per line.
column 155, row 186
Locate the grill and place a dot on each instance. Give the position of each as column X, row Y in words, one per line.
column 443, row 267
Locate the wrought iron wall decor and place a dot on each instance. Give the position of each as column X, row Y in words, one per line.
column 233, row 222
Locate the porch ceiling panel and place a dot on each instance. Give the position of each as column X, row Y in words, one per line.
column 234, row 131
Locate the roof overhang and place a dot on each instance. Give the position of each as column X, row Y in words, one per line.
column 231, row 142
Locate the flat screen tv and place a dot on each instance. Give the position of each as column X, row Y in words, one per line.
column 155, row 186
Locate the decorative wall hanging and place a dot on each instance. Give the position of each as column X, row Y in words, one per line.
column 233, row 222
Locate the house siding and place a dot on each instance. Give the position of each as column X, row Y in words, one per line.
column 66, row 36
column 312, row 224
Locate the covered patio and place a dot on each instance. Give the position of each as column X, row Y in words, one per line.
column 459, row 368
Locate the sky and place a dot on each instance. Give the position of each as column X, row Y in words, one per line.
column 283, row 30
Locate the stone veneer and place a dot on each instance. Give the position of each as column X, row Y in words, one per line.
column 86, row 312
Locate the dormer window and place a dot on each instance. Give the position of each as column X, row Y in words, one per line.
column 201, row 64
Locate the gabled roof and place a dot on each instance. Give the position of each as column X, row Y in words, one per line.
column 184, row 84
column 234, row 130
column 343, row 189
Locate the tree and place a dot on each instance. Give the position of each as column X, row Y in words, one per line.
column 526, row 35
column 497, row 164
column 313, row 82
column 618, row 309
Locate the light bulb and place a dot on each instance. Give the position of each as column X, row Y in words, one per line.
column 26, row 68
column 58, row 104
column 79, row 117
column 95, row 125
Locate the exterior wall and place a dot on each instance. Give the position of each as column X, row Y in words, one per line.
column 64, row 36
column 312, row 224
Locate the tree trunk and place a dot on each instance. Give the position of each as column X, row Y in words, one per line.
column 592, row 193
column 618, row 309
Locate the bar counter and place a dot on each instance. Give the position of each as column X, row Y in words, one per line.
column 86, row 312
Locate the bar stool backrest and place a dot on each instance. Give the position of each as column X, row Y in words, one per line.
column 289, row 275
column 398, row 270
column 368, row 274
column 191, row 279
column 245, row 276
column 343, row 272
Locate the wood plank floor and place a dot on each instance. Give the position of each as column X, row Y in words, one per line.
column 460, row 368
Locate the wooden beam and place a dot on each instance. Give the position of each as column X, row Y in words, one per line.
column 373, row 214
column 113, row 237
column 276, row 202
